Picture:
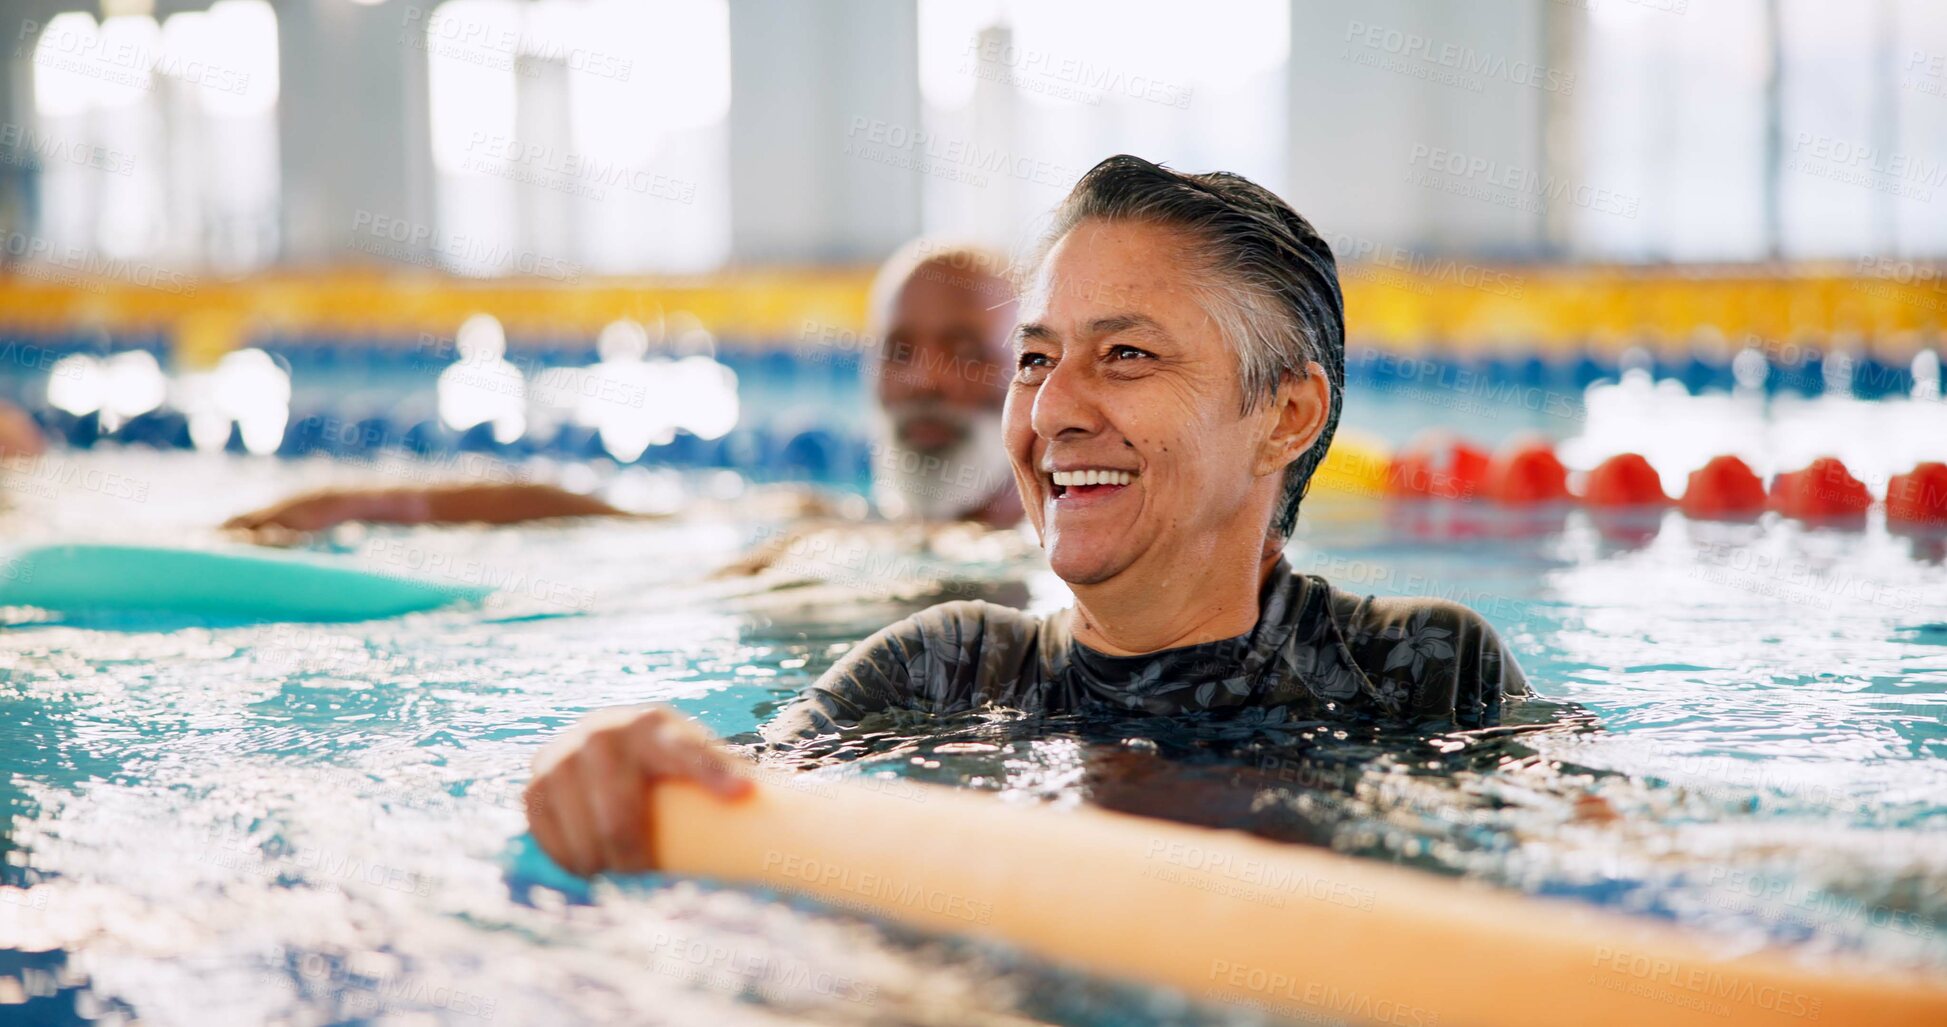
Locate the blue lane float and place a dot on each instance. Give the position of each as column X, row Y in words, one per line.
column 363, row 397
column 247, row 585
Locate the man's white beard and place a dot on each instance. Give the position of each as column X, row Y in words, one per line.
column 949, row 485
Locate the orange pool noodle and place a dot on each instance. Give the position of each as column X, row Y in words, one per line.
column 1299, row 932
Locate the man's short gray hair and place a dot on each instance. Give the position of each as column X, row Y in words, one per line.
column 979, row 270
column 1267, row 278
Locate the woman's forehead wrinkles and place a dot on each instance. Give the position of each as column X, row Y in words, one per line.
column 1105, row 290
column 1127, row 324
column 1132, row 323
column 1034, row 331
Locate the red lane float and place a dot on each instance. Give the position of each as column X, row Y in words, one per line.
column 1440, row 465
column 1825, row 490
column 1437, row 464
column 1918, row 496
column 1624, row 480
column 1526, row 472
column 1724, row 489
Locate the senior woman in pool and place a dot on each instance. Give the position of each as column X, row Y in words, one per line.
column 1180, row 367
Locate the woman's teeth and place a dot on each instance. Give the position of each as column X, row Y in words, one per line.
column 1069, row 479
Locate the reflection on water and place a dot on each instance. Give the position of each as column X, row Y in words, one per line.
column 321, row 823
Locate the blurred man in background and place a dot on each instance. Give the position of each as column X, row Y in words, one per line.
column 938, row 350
column 941, row 317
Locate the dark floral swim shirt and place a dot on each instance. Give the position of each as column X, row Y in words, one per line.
column 1316, row 654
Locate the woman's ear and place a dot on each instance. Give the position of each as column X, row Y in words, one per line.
column 1298, row 414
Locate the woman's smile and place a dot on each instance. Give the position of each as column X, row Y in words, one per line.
column 1086, row 487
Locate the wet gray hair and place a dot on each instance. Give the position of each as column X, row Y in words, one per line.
column 1267, row 279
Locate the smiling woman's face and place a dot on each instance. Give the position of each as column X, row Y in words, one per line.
column 1124, row 420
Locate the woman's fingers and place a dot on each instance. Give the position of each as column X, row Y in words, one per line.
column 614, row 788
column 724, row 774
column 670, row 747
column 590, row 785
column 581, row 844
column 543, row 824
column 716, row 769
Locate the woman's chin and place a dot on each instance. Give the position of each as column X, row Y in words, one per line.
column 1084, row 564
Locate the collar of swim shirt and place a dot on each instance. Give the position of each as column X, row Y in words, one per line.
column 1295, row 656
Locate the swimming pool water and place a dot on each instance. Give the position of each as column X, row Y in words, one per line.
column 244, row 823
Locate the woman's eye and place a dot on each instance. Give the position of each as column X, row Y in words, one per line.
column 1127, row 353
column 1032, row 360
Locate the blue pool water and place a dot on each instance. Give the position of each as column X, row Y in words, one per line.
column 245, row 823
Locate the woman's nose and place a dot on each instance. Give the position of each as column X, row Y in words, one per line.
column 1066, row 404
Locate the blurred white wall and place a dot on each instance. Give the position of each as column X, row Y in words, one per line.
column 1407, row 116
column 352, row 132
column 807, row 80
column 564, row 138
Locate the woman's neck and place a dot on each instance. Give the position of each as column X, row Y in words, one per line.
column 1129, row 615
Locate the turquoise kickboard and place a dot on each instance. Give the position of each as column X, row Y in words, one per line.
column 249, row 585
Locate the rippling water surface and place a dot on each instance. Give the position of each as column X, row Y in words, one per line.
column 320, row 823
